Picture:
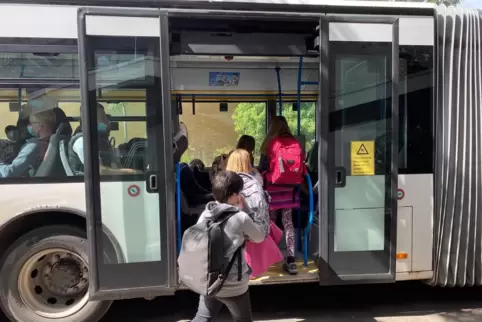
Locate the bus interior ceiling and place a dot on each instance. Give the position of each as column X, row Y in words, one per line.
column 228, row 77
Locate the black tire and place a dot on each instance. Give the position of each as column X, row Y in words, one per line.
column 67, row 237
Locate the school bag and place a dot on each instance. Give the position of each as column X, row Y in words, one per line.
column 203, row 267
column 286, row 161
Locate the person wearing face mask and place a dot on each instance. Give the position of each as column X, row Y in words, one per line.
column 76, row 145
column 40, row 128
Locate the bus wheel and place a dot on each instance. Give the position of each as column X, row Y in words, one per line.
column 45, row 277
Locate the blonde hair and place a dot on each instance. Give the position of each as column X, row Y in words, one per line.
column 279, row 126
column 239, row 161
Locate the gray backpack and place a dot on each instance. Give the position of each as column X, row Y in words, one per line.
column 202, row 264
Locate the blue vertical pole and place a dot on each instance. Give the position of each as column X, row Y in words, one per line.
column 280, row 94
column 310, row 221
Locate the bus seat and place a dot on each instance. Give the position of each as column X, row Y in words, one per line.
column 52, row 166
column 61, row 119
column 203, row 178
column 191, row 211
column 8, row 151
column 190, row 215
column 132, row 153
column 64, row 157
column 195, row 194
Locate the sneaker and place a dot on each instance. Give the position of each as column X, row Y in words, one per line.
column 291, row 268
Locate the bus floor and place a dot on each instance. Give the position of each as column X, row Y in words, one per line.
column 276, row 275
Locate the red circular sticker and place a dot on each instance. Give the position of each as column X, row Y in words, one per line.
column 400, row 194
column 133, row 190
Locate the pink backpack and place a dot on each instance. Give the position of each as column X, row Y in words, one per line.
column 286, row 166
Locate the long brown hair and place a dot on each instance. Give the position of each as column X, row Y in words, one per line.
column 239, row 161
column 279, row 126
column 248, row 143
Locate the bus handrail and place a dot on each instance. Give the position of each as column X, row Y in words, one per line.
column 310, row 221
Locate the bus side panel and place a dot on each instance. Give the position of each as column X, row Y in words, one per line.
column 416, row 221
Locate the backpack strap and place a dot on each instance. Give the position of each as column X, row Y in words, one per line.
column 237, row 254
column 236, row 257
column 240, row 269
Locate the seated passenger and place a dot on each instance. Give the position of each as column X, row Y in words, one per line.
column 31, row 154
column 8, row 147
column 196, row 164
column 107, row 164
column 258, row 256
column 203, row 178
column 10, row 132
column 76, row 145
column 248, row 143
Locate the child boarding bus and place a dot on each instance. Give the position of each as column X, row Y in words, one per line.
column 97, row 214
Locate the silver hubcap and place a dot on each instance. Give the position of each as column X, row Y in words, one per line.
column 54, row 283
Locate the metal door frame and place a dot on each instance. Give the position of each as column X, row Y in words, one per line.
column 92, row 176
column 326, row 166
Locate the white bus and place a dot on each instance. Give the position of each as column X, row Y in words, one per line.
column 397, row 179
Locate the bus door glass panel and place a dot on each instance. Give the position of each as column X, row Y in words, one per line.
column 361, row 213
column 128, row 187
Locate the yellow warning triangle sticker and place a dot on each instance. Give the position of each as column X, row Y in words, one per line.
column 362, row 150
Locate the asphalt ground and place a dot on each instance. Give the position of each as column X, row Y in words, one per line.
column 402, row 301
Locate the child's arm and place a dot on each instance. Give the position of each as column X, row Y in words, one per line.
column 252, row 230
column 258, row 210
column 243, row 205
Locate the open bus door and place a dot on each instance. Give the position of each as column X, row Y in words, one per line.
column 358, row 128
column 127, row 51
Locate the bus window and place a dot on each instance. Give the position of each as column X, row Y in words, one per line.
column 308, row 121
column 212, row 132
column 48, row 66
column 129, row 128
column 25, row 152
column 9, row 118
column 415, row 110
